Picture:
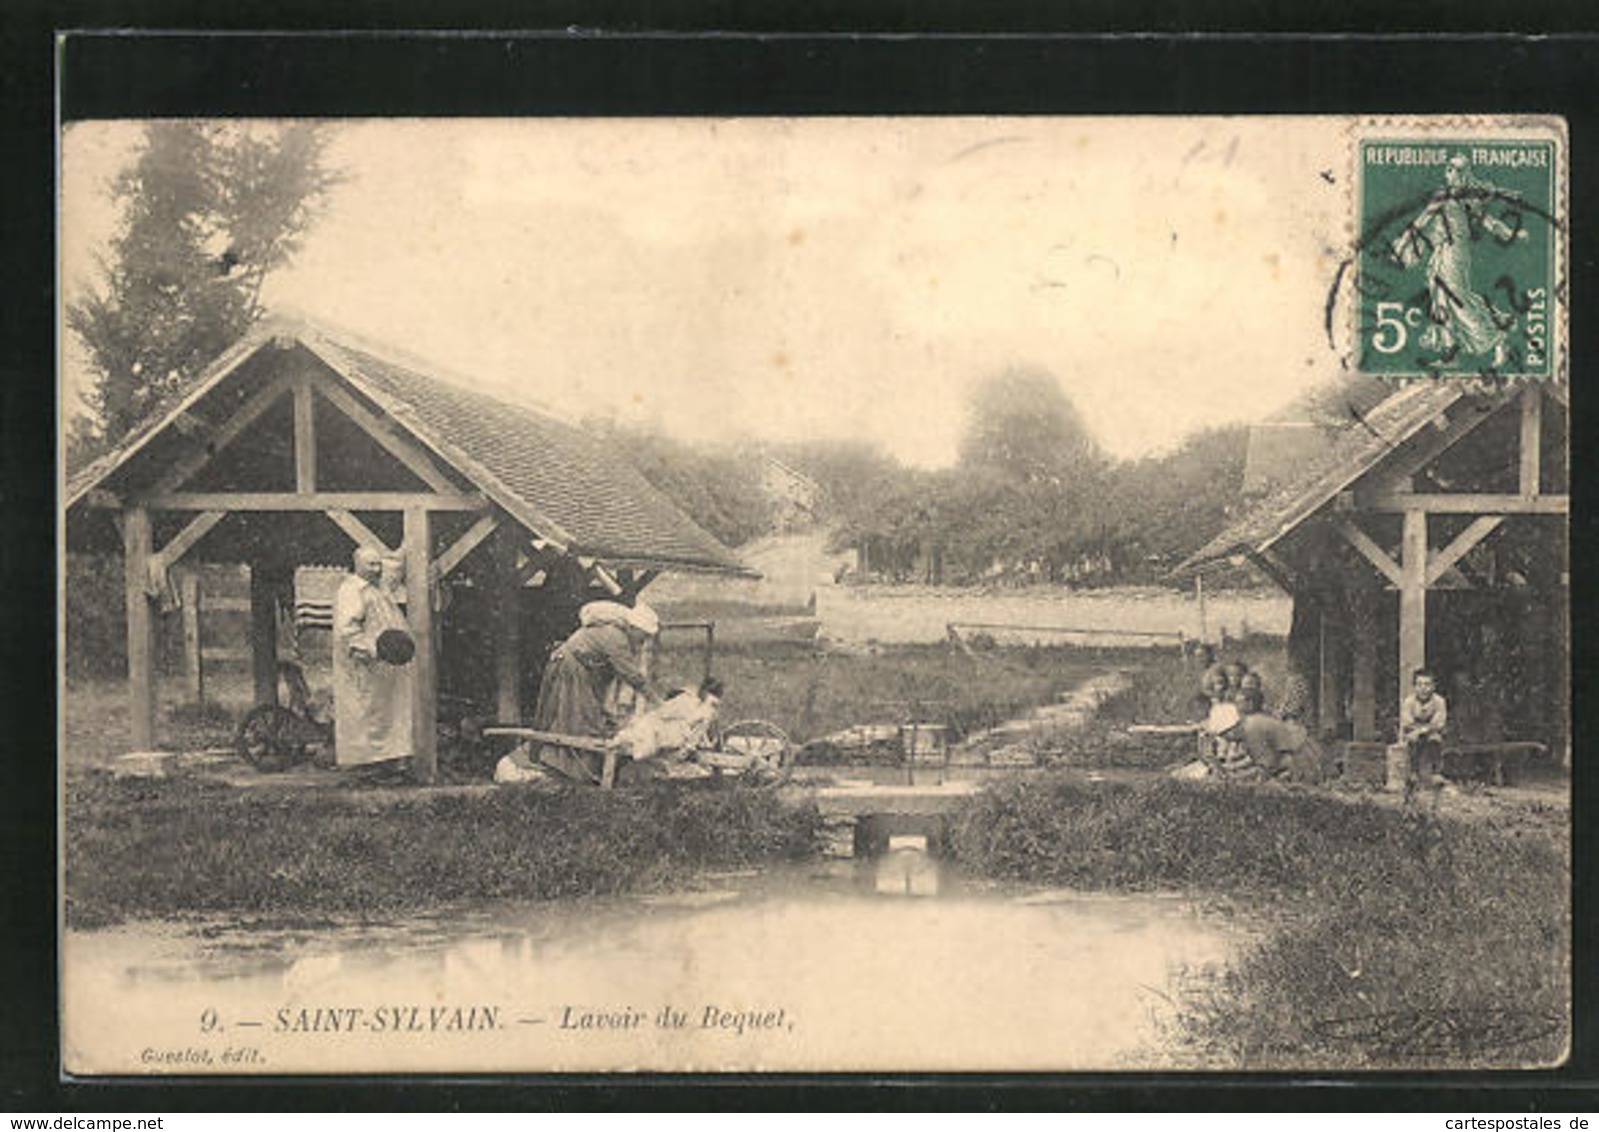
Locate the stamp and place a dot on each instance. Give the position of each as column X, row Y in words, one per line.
column 1457, row 269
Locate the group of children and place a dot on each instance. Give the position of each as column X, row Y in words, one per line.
column 1240, row 741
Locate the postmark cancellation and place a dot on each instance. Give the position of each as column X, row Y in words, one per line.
column 1457, row 264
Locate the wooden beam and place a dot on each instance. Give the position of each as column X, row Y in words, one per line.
column 1440, row 563
column 223, row 435
column 539, row 558
column 398, row 445
column 445, row 564
column 1427, row 446
column 1412, row 599
column 419, row 613
column 1467, row 504
column 311, row 501
column 359, row 532
column 263, row 635
column 304, row 438
column 1531, row 438
column 193, row 658
column 182, row 542
column 507, row 628
column 136, row 541
column 1273, row 569
column 643, row 578
column 1370, row 551
column 610, row 583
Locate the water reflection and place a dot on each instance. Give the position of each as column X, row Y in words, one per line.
column 906, row 869
column 827, row 966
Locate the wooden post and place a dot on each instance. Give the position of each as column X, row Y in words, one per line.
column 710, row 647
column 1412, row 599
column 263, row 633
column 304, row 438
column 193, row 660
column 1365, row 665
column 418, row 552
column 1329, row 707
column 1199, row 596
column 136, row 550
column 507, row 628
column 1531, row 438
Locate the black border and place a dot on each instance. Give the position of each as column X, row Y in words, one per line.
column 620, row 58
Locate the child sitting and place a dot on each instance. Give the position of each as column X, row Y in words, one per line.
column 1422, row 719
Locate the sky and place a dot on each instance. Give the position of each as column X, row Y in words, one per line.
column 780, row 279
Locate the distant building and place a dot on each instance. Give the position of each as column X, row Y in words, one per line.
column 793, row 494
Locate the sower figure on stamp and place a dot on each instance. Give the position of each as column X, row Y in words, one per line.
column 1422, row 718
column 1463, row 321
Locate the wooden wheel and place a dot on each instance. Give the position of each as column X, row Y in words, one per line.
column 271, row 738
column 763, row 739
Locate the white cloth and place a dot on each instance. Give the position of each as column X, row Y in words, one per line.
column 517, row 767
column 603, row 613
column 644, row 619
column 371, row 699
column 678, row 725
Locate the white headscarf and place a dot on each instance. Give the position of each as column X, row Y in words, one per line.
column 604, row 613
column 644, row 619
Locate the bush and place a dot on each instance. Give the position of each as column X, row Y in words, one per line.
column 96, row 628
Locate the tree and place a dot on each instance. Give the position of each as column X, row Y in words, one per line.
column 1024, row 426
column 208, row 212
column 1166, row 507
column 852, row 474
column 720, row 488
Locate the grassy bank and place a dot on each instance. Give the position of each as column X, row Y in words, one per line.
column 1394, row 938
column 139, row 847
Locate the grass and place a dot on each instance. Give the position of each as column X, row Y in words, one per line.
column 807, row 692
column 810, row 694
column 163, row 847
column 1396, row 938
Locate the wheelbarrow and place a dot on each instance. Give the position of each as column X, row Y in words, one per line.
column 738, row 748
column 274, row 737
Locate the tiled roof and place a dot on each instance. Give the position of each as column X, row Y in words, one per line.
column 561, row 482
column 1351, row 453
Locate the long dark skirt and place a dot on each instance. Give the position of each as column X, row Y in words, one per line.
column 572, row 702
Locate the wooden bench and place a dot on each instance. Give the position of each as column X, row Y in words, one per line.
column 1490, row 759
column 1497, row 762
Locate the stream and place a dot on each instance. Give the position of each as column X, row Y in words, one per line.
column 886, row 964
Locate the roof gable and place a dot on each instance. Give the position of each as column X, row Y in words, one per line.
column 558, row 481
column 1352, row 453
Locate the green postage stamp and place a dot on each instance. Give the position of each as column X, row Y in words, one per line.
column 1458, row 265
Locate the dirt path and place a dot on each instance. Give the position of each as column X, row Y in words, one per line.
column 1019, row 742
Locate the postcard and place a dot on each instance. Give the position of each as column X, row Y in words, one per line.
column 892, row 594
